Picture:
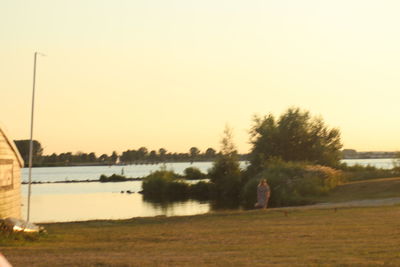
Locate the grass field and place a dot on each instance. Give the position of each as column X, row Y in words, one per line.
column 363, row 236
column 367, row 189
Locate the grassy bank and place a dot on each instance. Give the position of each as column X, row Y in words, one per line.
column 360, row 190
column 353, row 236
column 283, row 237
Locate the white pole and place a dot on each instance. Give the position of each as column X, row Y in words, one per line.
column 31, row 139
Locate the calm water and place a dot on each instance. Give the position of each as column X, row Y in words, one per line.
column 89, row 201
column 53, row 174
column 63, row 202
column 379, row 163
column 93, row 206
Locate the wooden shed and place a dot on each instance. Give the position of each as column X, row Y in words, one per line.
column 10, row 177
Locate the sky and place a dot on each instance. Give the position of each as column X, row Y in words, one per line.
column 121, row 74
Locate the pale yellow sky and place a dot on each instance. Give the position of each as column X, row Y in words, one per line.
column 156, row 73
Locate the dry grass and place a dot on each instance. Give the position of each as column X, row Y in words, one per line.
column 306, row 237
column 367, row 189
column 353, row 236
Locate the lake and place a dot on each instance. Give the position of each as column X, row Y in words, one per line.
column 62, row 202
column 379, row 163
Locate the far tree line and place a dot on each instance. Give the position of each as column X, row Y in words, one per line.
column 131, row 156
column 298, row 154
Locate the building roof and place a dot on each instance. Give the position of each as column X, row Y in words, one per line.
column 13, row 147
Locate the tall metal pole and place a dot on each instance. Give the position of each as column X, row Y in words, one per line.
column 31, row 139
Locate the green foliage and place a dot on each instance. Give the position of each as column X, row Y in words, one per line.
column 295, row 136
column 194, row 153
column 155, row 184
column 23, row 147
column 113, row 158
column 249, row 195
column 292, row 183
column 140, row 156
column 201, row 190
column 226, row 173
column 112, row 178
column 176, row 190
column 166, row 185
column 9, row 238
column 210, row 153
column 193, row 173
column 359, row 172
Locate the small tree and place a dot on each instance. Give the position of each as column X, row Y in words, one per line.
column 194, row 153
column 225, row 173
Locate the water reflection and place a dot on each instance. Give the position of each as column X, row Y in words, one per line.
column 81, row 207
column 188, row 207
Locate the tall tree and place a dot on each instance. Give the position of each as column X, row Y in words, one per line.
column 142, row 153
column 295, row 136
column 114, row 157
column 92, row 157
column 103, row 158
column 194, row 153
column 153, row 155
column 210, row 153
column 162, row 152
column 23, row 148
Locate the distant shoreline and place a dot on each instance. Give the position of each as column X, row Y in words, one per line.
column 81, row 181
column 167, row 162
column 118, row 164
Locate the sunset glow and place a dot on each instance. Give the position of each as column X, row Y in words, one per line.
column 125, row 74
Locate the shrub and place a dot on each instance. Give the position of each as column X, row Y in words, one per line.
column 318, row 180
column 112, row 178
column 359, row 172
column 193, row 173
column 155, row 185
column 292, row 183
column 249, row 196
column 226, row 176
column 176, row 190
column 201, row 190
column 226, row 173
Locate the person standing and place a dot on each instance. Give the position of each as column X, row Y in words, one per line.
column 263, row 194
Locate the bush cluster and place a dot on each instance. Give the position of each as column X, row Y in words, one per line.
column 292, row 183
column 112, row 178
column 193, row 173
column 279, row 147
column 164, row 185
column 359, row 172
